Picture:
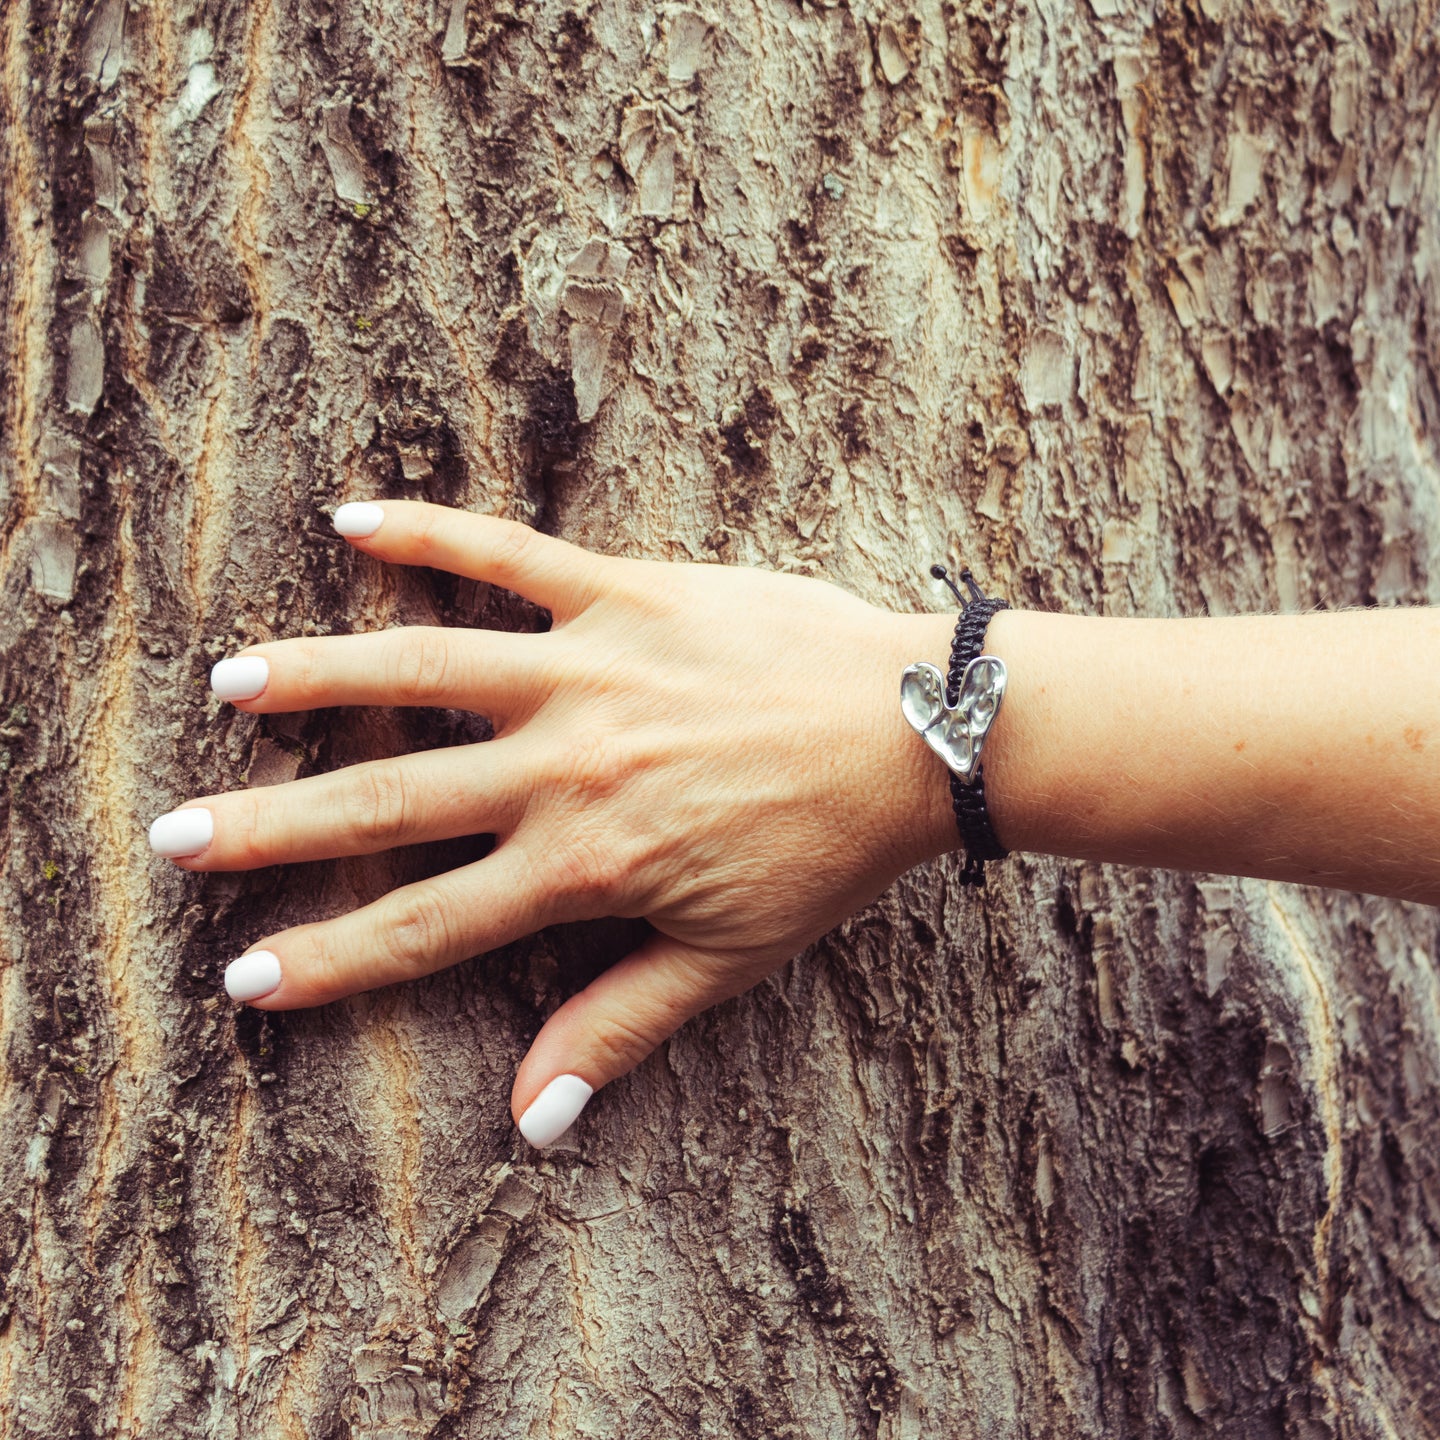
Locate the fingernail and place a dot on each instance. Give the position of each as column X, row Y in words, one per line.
column 552, row 1112
column 182, row 832
column 252, row 976
column 358, row 519
column 240, row 679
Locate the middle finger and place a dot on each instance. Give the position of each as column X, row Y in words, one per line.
column 432, row 795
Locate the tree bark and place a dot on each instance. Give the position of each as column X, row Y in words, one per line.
column 1134, row 307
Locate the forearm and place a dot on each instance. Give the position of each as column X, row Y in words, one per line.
column 1299, row 748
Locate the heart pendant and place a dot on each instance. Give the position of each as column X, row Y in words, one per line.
column 957, row 735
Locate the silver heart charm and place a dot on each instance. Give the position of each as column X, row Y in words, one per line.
column 957, row 735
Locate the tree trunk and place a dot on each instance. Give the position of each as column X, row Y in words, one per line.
column 1134, row 307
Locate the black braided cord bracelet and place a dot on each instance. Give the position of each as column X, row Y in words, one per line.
column 971, row 814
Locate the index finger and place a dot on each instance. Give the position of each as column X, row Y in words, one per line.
column 412, row 931
column 553, row 573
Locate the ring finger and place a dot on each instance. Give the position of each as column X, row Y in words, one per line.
column 493, row 672
column 431, row 795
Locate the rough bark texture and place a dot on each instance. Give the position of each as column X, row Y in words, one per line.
column 1137, row 307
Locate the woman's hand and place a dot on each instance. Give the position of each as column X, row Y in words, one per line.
column 719, row 750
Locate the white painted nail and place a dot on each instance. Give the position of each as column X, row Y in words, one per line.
column 358, row 519
column 182, row 832
column 240, row 679
column 253, row 975
column 552, row 1112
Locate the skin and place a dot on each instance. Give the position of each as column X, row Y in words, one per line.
column 721, row 751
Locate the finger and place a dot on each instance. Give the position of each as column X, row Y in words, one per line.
column 411, row 932
column 611, row 1026
column 433, row 795
column 560, row 576
column 493, row 672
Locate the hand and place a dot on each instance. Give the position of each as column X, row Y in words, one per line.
column 719, row 750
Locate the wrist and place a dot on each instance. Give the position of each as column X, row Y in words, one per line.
column 924, row 777
column 923, row 811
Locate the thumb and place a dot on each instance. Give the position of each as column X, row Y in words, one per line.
column 607, row 1029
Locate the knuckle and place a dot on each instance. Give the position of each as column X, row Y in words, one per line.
column 301, row 659
column 595, row 867
column 512, row 547
column 649, row 590
column 419, row 933
column 586, row 877
column 594, row 766
column 375, row 806
column 421, row 664
column 242, row 827
column 621, row 1042
column 425, row 523
column 327, row 967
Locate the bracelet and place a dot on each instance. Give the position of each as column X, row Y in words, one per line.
column 954, row 714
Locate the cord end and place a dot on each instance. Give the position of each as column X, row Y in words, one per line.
column 976, row 593
column 941, row 573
